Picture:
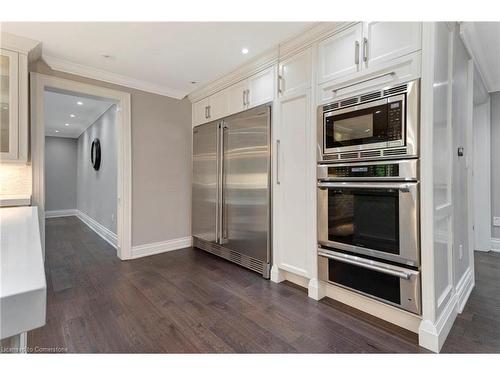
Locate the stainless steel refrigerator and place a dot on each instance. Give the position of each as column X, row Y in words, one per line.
column 231, row 214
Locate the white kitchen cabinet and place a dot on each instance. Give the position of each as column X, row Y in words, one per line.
column 260, row 88
column 293, row 203
column 384, row 41
column 340, row 54
column 293, row 189
column 237, row 94
column 200, row 111
column 362, row 49
column 13, row 106
column 218, row 105
column 295, row 73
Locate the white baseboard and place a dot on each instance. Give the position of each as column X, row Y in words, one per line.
column 101, row 230
column 60, row 213
column 433, row 335
column 464, row 289
column 148, row 249
column 495, row 244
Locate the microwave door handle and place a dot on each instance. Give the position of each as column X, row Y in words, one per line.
column 356, row 261
column 362, row 185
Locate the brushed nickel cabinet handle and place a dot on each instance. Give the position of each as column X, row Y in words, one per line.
column 356, row 52
column 365, row 49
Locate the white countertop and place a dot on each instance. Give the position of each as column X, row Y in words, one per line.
column 15, row 200
column 22, row 279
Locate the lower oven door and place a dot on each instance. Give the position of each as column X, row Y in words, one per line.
column 391, row 284
column 377, row 219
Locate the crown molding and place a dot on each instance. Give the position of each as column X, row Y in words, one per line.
column 66, row 66
column 287, row 48
column 31, row 48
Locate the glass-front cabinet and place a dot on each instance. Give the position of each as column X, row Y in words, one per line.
column 9, row 104
column 13, row 103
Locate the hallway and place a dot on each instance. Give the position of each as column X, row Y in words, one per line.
column 190, row 301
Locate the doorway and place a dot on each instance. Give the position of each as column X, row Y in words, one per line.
column 81, row 160
column 116, row 104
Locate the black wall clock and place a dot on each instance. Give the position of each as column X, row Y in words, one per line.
column 95, row 154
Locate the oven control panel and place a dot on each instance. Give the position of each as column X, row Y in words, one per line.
column 380, row 170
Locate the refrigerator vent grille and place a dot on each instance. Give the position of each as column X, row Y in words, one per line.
column 233, row 256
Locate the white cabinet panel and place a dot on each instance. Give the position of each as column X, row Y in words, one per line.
column 237, row 97
column 295, row 73
column 261, row 88
column 389, row 40
column 9, row 99
column 293, row 189
column 219, row 105
column 339, row 55
column 200, row 111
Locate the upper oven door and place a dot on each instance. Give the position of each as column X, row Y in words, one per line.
column 374, row 219
column 377, row 124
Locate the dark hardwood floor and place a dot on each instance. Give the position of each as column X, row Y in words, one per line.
column 477, row 329
column 189, row 301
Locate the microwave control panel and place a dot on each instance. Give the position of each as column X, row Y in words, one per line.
column 379, row 170
column 394, row 120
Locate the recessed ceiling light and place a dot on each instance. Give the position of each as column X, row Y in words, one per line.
column 72, row 115
column 244, row 51
column 66, row 124
column 57, row 131
column 79, row 103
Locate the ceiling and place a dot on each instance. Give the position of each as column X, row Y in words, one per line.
column 483, row 41
column 160, row 57
column 58, row 108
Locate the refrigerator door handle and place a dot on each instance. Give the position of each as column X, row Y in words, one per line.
column 217, row 187
column 222, row 181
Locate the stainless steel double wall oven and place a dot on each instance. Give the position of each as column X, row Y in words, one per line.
column 368, row 194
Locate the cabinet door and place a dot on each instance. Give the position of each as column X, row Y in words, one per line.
column 237, row 97
column 388, row 40
column 293, row 187
column 200, row 112
column 219, row 105
column 261, row 88
column 295, row 73
column 9, row 120
column 339, row 55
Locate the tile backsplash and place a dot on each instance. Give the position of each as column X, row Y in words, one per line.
column 15, row 179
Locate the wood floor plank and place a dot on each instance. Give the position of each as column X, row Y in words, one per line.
column 189, row 301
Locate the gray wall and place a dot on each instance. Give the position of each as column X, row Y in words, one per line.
column 495, row 160
column 60, row 173
column 161, row 161
column 97, row 190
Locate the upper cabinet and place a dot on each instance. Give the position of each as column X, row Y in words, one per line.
column 385, row 41
column 14, row 55
column 364, row 46
column 13, row 106
column 295, row 73
column 9, row 69
column 339, row 55
column 248, row 93
column 260, row 88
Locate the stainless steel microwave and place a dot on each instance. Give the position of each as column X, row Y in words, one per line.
column 378, row 124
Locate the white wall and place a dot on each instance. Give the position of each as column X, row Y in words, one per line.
column 60, row 173
column 495, row 161
column 97, row 190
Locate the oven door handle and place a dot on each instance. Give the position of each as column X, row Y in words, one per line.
column 368, row 264
column 404, row 187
